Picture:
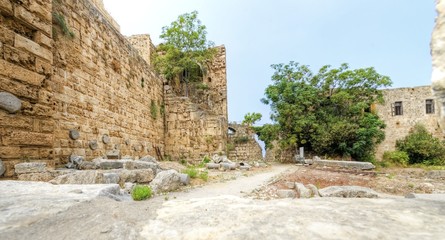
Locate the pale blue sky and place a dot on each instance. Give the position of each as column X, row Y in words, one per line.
column 391, row 35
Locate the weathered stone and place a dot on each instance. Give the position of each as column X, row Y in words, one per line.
column 131, row 165
column 436, row 174
column 20, row 73
column 93, row 145
column 114, row 154
column 213, row 165
column 32, row 167
column 74, row 134
column 245, row 168
column 2, row 168
column 36, row 177
column 184, row 179
column 135, row 176
column 111, row 178
column 86, row 165
column 74, row 162
column 106, row 139
column 228, row 166
column 302, row 191
column 166, row 181
column 290, row 185
column 80, row 177
column 314, row 190
column 9, row 102
column 148, row 159
column 348, row 192
column 432, row 197
column 425, row 187
column 286, row 193
column 345, row 164
column 109, row 164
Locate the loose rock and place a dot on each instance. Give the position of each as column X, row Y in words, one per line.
column 111, row 178
column 74, row 162
column 114, row 154
column 184, row 178
column 314, row 190
column 2, row 168
column 286, row 193
column 213, row 165
column 148, row 158
column 302, row 191
column 74, row 134
column 9, row 102
column 32, row 167
column 348, row 192
column 166, row 181
column 135, row 176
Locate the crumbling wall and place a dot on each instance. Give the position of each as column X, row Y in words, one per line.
column 103, row 89
column 196, row 126
column 242, row 144
column 438, row 59
column 26, row 45
column 413, row 111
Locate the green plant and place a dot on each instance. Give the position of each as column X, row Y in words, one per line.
column 396, row 158
column 202, row 86
column 230, row 147
column 204, row 175
column 59, row 19
column 183, row 161
column 162, row 109
column 153, row 110
column 141, row 192
column 422, row 147
column 241, row 140
column 204, row 161
column 191, row 171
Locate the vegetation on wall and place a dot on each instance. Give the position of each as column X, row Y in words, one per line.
column 153, row 109
column 60, row 21
column 185, row 53
column 325, row 112
column 422, row 147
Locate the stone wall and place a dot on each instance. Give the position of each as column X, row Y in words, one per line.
column 438, row 59
column 144, row 46
column 103, row 89
column 413, row 111
column 25, row 71
column 241, row 144
column 196, row 126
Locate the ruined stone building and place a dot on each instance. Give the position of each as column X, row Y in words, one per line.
column 404, row 108
column 70, row 83
column 241, row 144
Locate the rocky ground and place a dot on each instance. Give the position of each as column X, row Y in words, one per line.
column 225, row 208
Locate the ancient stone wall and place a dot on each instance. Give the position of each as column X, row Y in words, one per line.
column 103, row 89
column 241, row 143
column 438, row 59
column 413, row 110
column 26, row 47
column 196, row 126
column 144, row 46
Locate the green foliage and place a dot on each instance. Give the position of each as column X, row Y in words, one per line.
column 396, row 158
column 268, row 133
column 191, row 171
column 204, row 175
column 252, row 118
column 59, row 19
column 241, row 140
column 422, row 147
column 141, row 192
column 204, row 161
column 162, row 109
column 325, row 111
column 202, row 86
column 185, row 49
column 153, row 110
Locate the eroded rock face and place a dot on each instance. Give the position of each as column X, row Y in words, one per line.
column 438, row 57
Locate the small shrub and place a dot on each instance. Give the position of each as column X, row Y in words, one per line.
column 59, row 19
column 153, row 110
column 141, row 192
column 422, row 147
column 396, row 158
column 240, row 140
column 202, row 86
column 204, row 175
column 191, row 171
column 204, row 161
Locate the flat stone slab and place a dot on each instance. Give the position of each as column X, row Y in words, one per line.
column 22, row 203
column 32, row 167
column 433, row 197
column 348, row 192
column 345, row 164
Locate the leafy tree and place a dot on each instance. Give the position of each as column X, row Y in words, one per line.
column 185, row 52
column 422, row 147
column 252, row 118
column 327, row 112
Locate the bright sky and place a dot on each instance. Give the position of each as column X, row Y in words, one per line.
column 391, row 35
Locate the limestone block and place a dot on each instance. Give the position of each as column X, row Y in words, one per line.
column 114, row 154
column 314, row 190
column 80, row 177
column 348, row 192
column 302, row 191
column 17, row 138
column 9, row 102
column 16, row 72
column 135, row 176
column 32, row 167
column 131, row 165
column 185, row 179
column 9, row 152
column 111, row 178
column 36, row 177
column 166, row 181
column 107, row 164
column 6, row 7
column 32, row 20
column 33, row 47
column 42, row 39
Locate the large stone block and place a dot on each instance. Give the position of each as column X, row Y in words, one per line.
column 16, row 72
column 348, row 192
column 32, row 167
column 9, row 102
column 18, row 138
column 32, row 20
column 135, row 176
column 6, row 7
column 33, row 47
column 81, row 177
column 9, row 152
column 166, row 181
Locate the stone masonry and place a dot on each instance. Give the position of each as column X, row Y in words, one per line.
column 95, row 92
column 242, row 145
column 411, row 104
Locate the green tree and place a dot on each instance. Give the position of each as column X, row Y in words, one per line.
column 185, row 53
column 422, row 147
column 327, row 112
column 252, row 118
